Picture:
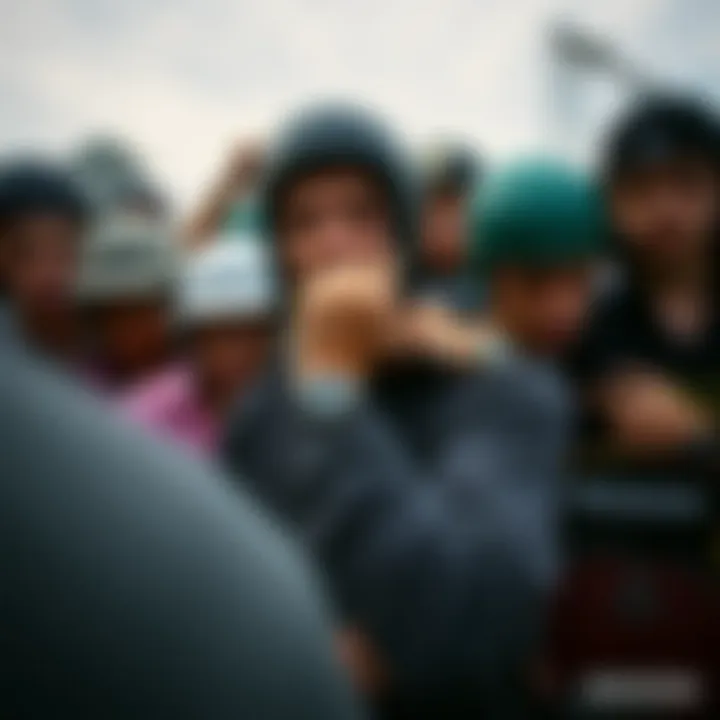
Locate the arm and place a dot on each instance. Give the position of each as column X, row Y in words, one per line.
column 645, row 414
column 434, row 331
column 650, row 418
column 443, row 568
column 235, row 183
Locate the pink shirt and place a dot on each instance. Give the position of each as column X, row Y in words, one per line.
column 169, row 405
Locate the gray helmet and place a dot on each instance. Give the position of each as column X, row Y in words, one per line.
column 113, row 176
column 127, row 258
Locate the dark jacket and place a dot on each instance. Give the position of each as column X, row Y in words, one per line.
column 460, row 292
column 432, row 507
column 137, row 583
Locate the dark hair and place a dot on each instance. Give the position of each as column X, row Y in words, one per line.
column 660, row 128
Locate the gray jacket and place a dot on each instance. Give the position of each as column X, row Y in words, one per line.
column 432, row 506
column 137, row 583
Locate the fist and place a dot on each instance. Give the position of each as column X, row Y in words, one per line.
column 650, row 413
column 246, row 160
column 343, row 320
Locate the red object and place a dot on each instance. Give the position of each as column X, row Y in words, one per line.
column 620, row 624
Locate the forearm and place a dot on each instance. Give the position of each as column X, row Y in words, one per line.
column 209, row 217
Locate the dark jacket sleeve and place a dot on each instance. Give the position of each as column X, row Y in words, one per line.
column 444, row 566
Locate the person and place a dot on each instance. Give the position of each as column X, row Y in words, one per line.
column 127, row 277
column 649, row 361
column 229, row 204
column 42, row 219
column 225, row 312
column 538, row 235
column 641, row 513
column 451, row 174
column 137, row 583
column 427, row 493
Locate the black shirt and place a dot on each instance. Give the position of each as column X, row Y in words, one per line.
column 623, row 333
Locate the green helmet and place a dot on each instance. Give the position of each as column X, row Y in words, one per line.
column 535, row 213
column 127, row 258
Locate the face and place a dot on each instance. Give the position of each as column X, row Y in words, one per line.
column 333, row 217
column 443, row 231
column 229, row 355
column 543, row 310
column 668, row 213
column 133, row 336
column 40, row 262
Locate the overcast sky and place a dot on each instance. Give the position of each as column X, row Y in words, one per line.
column 182, row 78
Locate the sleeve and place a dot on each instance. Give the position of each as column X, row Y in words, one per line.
column 444, row 567
column 606, row 343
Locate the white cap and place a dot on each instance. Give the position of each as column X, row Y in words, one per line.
column 232, row 279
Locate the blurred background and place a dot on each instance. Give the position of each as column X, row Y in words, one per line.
column 180, row 81
column 165, row 110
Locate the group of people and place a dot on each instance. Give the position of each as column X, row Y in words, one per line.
column 402, row 361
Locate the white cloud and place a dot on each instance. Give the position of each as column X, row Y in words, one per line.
column 183, row 77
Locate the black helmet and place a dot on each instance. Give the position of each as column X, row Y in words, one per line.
column 334, row 135
column 659, row 128
column 34, row 186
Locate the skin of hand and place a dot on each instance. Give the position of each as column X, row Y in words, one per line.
column 342, row 320
column 648, row 413
column 362, row 661
column 431, row 330
column 246, row 161
column 235, row 180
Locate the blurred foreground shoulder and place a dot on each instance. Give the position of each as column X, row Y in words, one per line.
column 139, row 582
